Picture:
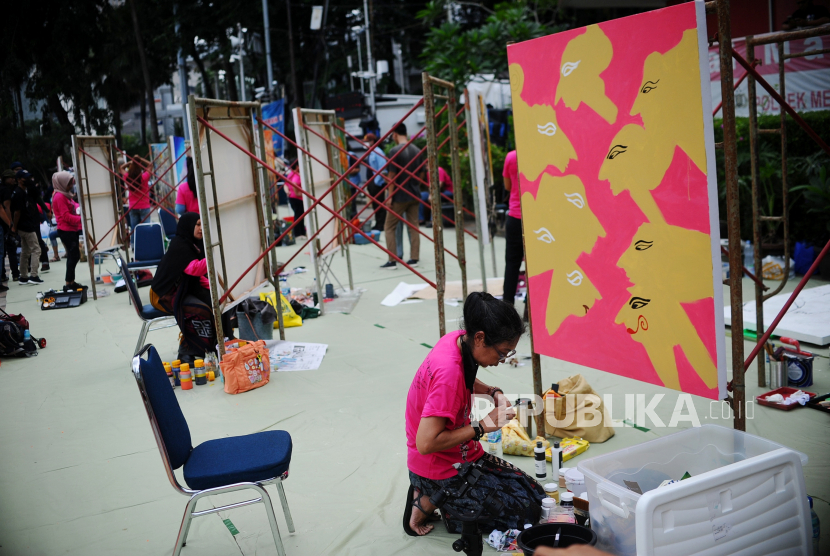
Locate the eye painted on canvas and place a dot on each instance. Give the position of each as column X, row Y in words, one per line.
column 543, row 234
column 649, row 86
column 615, row 151
column 642, row 245
column 638, row 302
column 575, row 199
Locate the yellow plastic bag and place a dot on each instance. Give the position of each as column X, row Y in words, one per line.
column 571, row 447
column 516, row 442
column 289, row 317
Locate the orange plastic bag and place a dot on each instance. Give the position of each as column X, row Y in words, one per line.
column 246, row 367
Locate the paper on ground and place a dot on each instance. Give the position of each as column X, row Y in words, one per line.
column 295, row 356
column 807, row 320
column 402, row 291
column 453, row 290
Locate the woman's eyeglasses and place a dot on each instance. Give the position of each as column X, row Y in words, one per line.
column 504, row 356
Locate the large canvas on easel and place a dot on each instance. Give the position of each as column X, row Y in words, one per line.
column 236, row 199
column 619, row 198
column 99, row 203
column 316, row 178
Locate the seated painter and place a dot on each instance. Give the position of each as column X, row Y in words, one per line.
column 180, row 287
column 439, row 432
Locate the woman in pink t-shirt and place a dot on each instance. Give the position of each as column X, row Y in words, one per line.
column 514, row 251
column 186, row 199
column 440, row 434
column 295, row 198
column 137, row 184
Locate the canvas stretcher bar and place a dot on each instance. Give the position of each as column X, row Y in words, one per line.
column 100, row 198
column 232, row 176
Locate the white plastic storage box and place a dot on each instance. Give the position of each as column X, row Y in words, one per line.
column 745, row 497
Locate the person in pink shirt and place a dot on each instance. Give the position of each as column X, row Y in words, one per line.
column 186, row 198
column 295, row 198
column 137, row 184
column 445, row 183
column 514, row 251
column 440, row 434
column 67, row 215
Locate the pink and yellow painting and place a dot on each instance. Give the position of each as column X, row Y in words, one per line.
column 619, row 198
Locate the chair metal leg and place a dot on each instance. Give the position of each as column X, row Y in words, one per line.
column 185, row 527
column 272, row 518
column 142, row 336
column 288, row 520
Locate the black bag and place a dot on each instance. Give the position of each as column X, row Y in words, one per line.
column 12, row 342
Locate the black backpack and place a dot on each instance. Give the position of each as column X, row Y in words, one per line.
column 12, row 342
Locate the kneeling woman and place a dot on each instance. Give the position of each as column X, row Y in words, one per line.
column 181, row 288
column 439, row 432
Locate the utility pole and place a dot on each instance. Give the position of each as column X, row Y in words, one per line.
column 369, row 57
column 241, row 55
column 268, row 66
column 298, row 100
column 151, row 99
column 182, row 79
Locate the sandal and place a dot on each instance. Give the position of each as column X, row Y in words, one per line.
column 407, row 514
column 54, row 260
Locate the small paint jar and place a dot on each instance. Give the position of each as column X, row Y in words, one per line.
column 175, row 367
column 187, row 384
column 552, row 491
column 185, row 377
column 199, row 372
column 562, row 477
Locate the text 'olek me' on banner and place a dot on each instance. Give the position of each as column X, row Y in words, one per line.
column 807, row 86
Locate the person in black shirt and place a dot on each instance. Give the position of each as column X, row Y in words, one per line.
column 44, row 214
column 26, row 223
column 807, row 15
column 404, row 195
column 10, row 240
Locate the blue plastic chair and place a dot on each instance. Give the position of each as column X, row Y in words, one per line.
column 148, row 246
column 168, row 222
column 214, row 467
column 148, row 314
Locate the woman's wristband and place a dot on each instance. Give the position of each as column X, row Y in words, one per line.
column 478, row 430
column 492, row 391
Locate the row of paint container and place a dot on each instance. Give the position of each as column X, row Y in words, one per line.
column 180, row 374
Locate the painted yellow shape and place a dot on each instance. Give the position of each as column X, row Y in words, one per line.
column 637, row 160
column 669, row 100
column 583, row 60
column 668, row 265
column 540, row 141
column 558, row 227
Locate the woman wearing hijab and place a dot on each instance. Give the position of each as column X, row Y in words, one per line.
column 67, row 215
column 181, row 288
column 186, row 199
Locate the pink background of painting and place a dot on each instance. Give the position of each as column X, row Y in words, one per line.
column 682, row 197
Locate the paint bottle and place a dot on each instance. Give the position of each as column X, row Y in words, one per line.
column 169, row 370
column 552, row 491
column 541, row 463
column 185, row 377
column 176, row 368
column 199, row 372
column 562, row 471
column 494, row 445
column 557, row 451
